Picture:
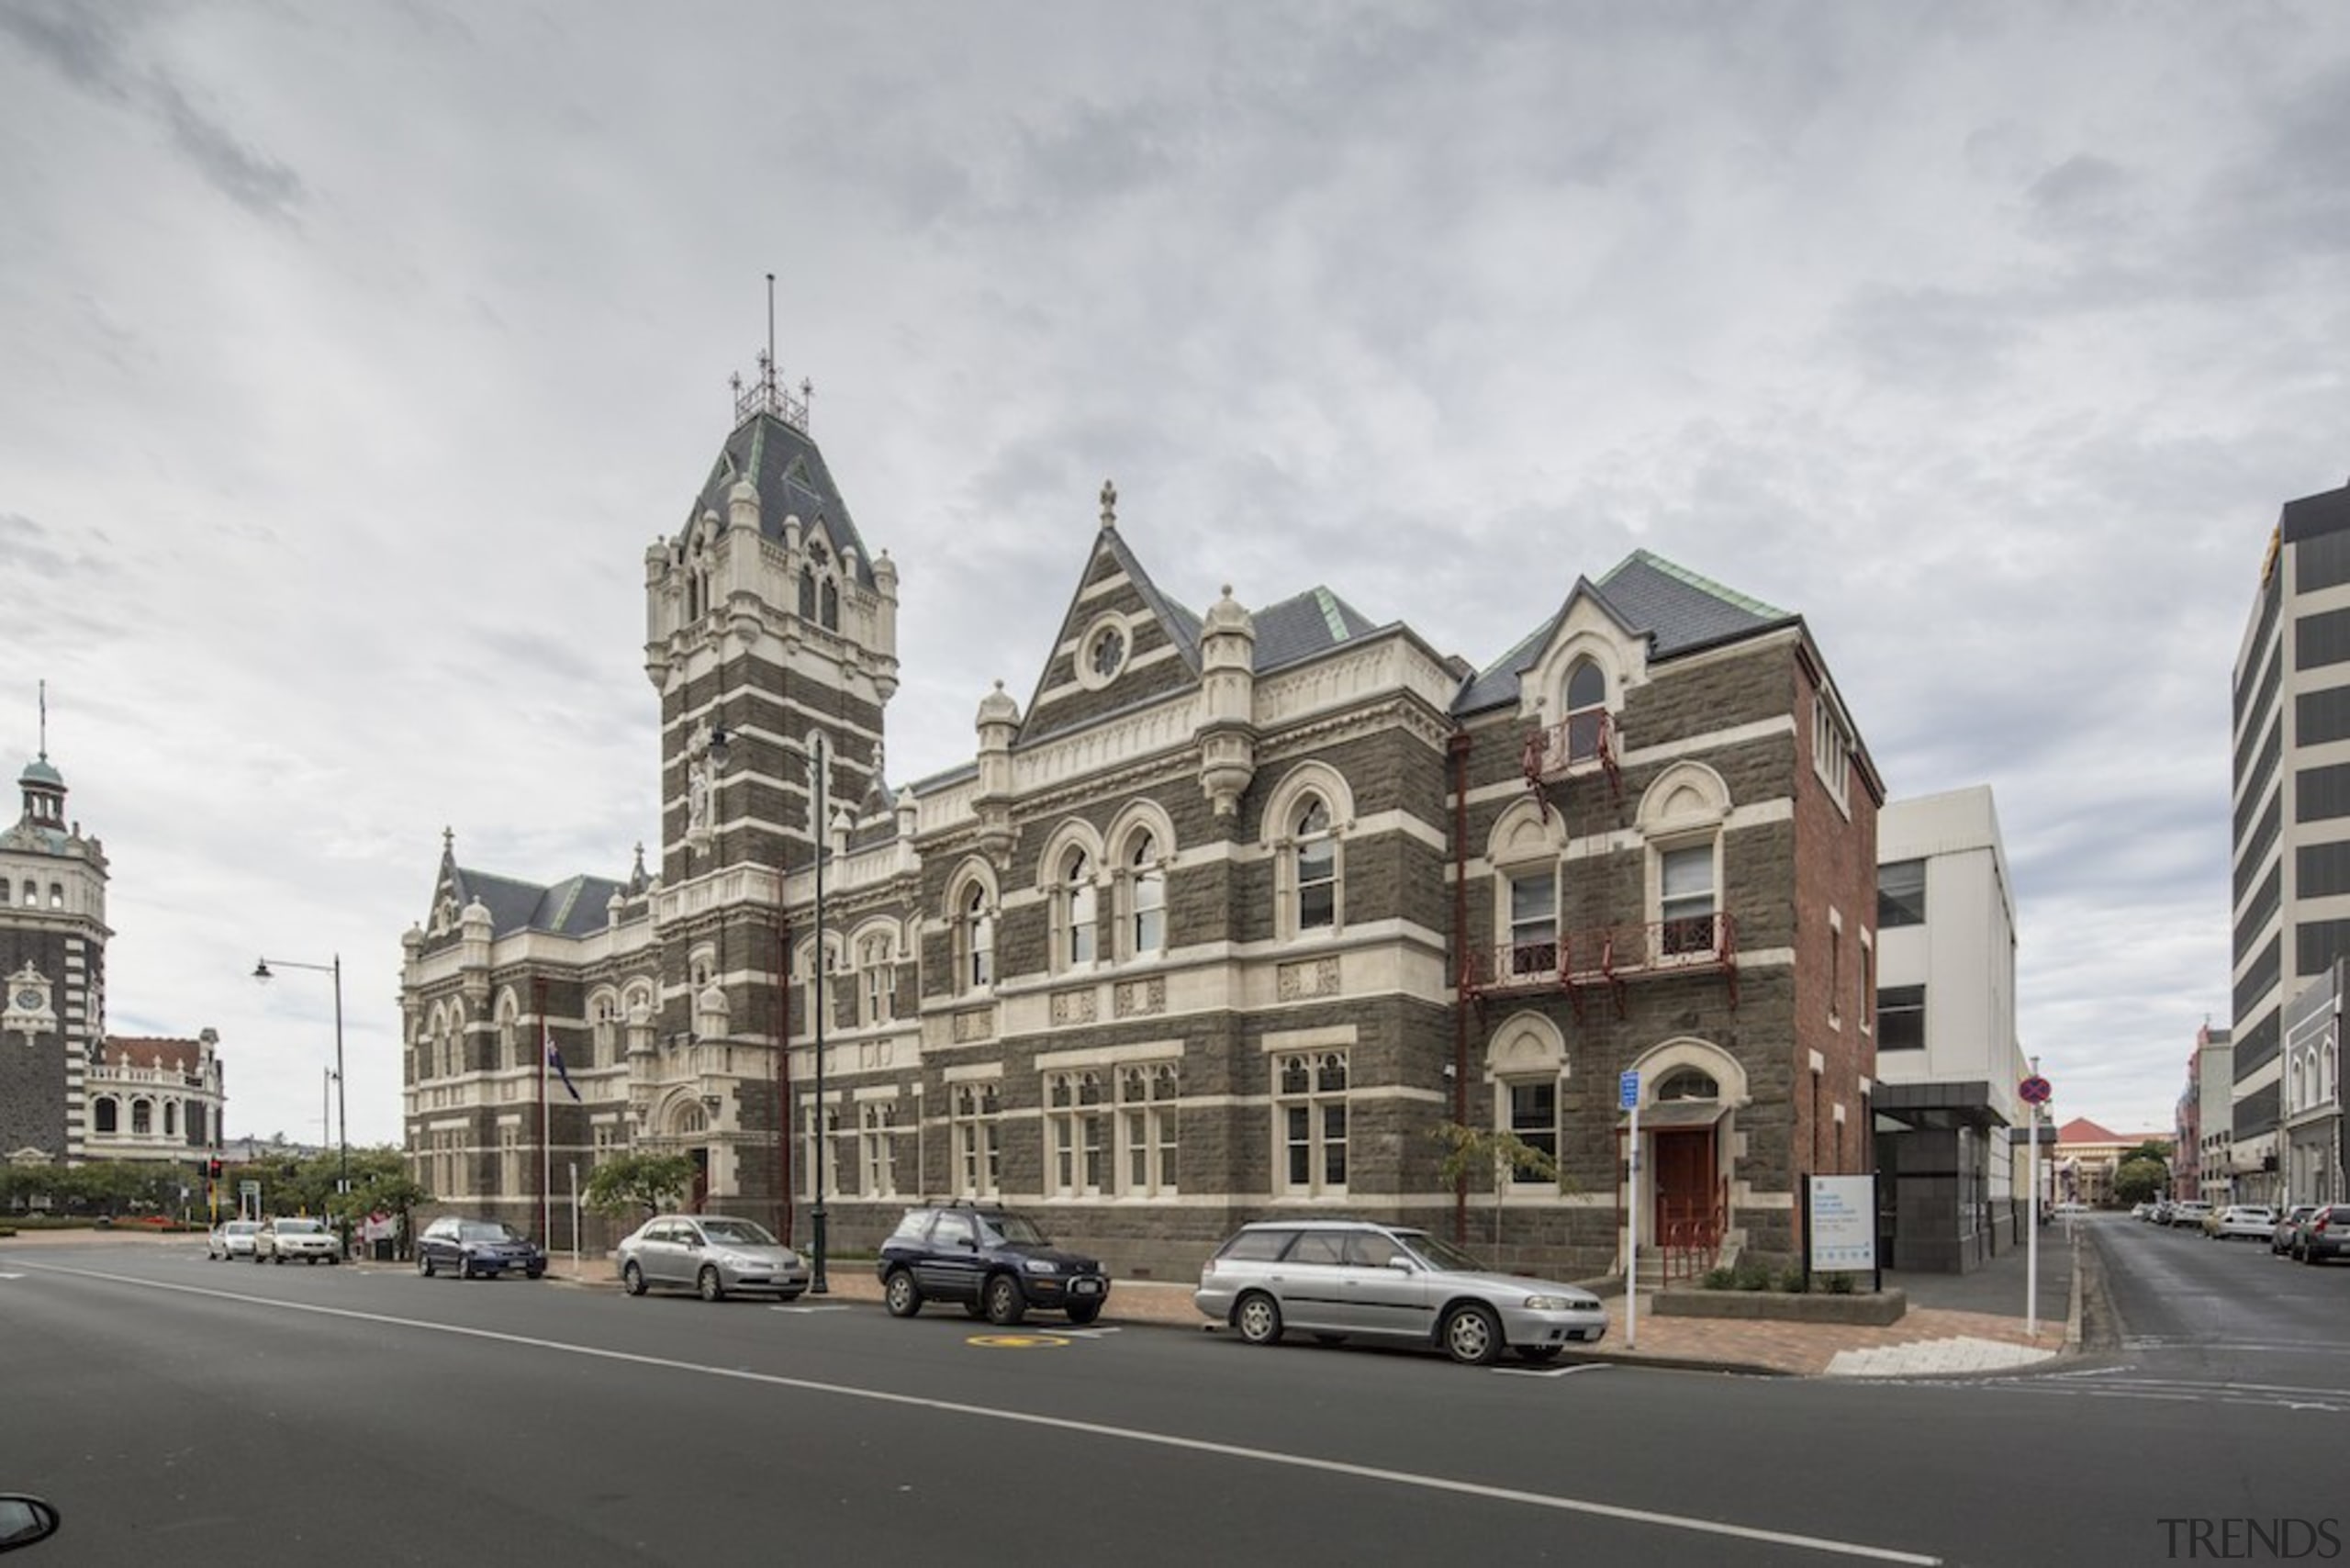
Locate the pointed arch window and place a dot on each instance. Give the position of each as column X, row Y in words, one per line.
column 975, row 935
column 832, row 601
column 1079, row 911
column 1586, row 710
column 807, row 594
column 1317, row 867
column 1147, row 913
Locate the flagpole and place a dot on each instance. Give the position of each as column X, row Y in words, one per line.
column 547, row 1157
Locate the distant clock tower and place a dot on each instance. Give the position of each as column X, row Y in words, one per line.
column 52, row 961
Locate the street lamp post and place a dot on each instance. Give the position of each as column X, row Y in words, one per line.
column 262, row 974
column 820, row 761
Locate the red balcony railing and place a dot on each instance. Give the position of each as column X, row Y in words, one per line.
column 1579, row 743
column 1606, row 955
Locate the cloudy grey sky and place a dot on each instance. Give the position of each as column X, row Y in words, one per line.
column 350, row 356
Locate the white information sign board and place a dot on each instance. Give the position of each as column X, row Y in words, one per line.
column 1843, row 1224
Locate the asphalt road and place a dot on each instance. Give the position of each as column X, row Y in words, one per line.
column 196, row 1413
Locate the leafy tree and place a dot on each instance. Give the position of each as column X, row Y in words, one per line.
column 644, row 1181
column 2136, row 1179
column 1490, row 1157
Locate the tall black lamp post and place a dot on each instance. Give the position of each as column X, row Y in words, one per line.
column 820, row 762
column 262, row 974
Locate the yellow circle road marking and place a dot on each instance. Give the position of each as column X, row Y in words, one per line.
column 1016, row 1341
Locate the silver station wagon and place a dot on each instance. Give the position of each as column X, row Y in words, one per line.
column 1338, row 1280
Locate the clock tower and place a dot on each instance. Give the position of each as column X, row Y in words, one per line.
column 52, row 961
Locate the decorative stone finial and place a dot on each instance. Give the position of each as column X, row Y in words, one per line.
column 1109, row 504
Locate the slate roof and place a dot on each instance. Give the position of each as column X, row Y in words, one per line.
column 573, row 907
column 1678, row 610
column 790, row 473
column 1313, row 622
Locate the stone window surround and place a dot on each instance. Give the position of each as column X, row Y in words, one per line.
column 1081, row 659
column 1528, row 1048
column 1283, row 809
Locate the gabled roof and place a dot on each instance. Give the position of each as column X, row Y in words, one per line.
column 789, row 472
column 2080, row 1129
column 1678, row 611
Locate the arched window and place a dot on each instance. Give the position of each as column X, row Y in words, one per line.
column 509, row 1031
column 142, row 1118
column 978, row 934
column 57, row 895
column 171, row 1118
column 108, row 1112
column 1687, row 1084
column 1586, row 710
column 807, row 594
column 604, row 1032
column 1317, row 867
column 1079, row 916
column 1147, row 923
column 832, row 613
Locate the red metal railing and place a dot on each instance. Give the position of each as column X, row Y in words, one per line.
column 1606, row 955
column 1690, row 1231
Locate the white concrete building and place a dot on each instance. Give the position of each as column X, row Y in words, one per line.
column 1948, row 1059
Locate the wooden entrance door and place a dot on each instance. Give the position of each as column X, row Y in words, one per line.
column 1684, row 1183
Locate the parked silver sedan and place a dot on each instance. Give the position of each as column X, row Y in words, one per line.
column 2253, row 1221
column 1340, row 1278
column 711, row 1254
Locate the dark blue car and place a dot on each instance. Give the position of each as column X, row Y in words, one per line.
column 477, row 1248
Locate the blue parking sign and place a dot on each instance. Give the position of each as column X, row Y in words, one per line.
column 1628, row 1090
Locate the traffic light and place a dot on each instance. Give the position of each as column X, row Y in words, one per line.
column 212, row 1167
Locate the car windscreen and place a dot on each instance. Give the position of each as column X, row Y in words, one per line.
column 1017, row 1229
column 487, row 1230
column 737, row 1233
column 297, row 1228
column 1443, row 1254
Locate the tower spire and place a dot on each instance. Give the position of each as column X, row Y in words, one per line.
column 767, row 394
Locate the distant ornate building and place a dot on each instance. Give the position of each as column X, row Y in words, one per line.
column 1224, row 921
column 155, row 1099
column 67, row 1092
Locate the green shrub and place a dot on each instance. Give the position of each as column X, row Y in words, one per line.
column 1794, row 1282
column 1840, row 1284
column 1751, row 1275
column 1721, row 1279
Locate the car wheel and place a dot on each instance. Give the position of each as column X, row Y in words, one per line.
column 788, row 1295
column 277, row 1256
column 424, row 1264
column 1005, row 1304
column 711, row 1287
column 1538, row 1353
column 632, row 1278
column 533, row 1273
column 900, row 1294
column 1084, row 1311
column 1259, row 1318
column 1472, row 1335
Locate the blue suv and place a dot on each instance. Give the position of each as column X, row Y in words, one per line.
column 996, row 1264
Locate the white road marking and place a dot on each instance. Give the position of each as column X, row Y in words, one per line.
column 1061, row 1423
column 804, row 1310
column 11, row 1276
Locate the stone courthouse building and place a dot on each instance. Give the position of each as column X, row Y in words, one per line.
column 1223, row 920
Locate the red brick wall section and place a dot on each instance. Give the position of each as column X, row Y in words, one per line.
column 1835, row 870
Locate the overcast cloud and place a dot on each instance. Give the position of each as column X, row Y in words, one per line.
column 352, row 355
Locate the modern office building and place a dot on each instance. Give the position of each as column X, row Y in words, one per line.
column 2291, row 909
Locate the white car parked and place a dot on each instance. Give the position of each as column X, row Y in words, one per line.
column 232, row 1239
column 2252, row 1221
column 308, row 1239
